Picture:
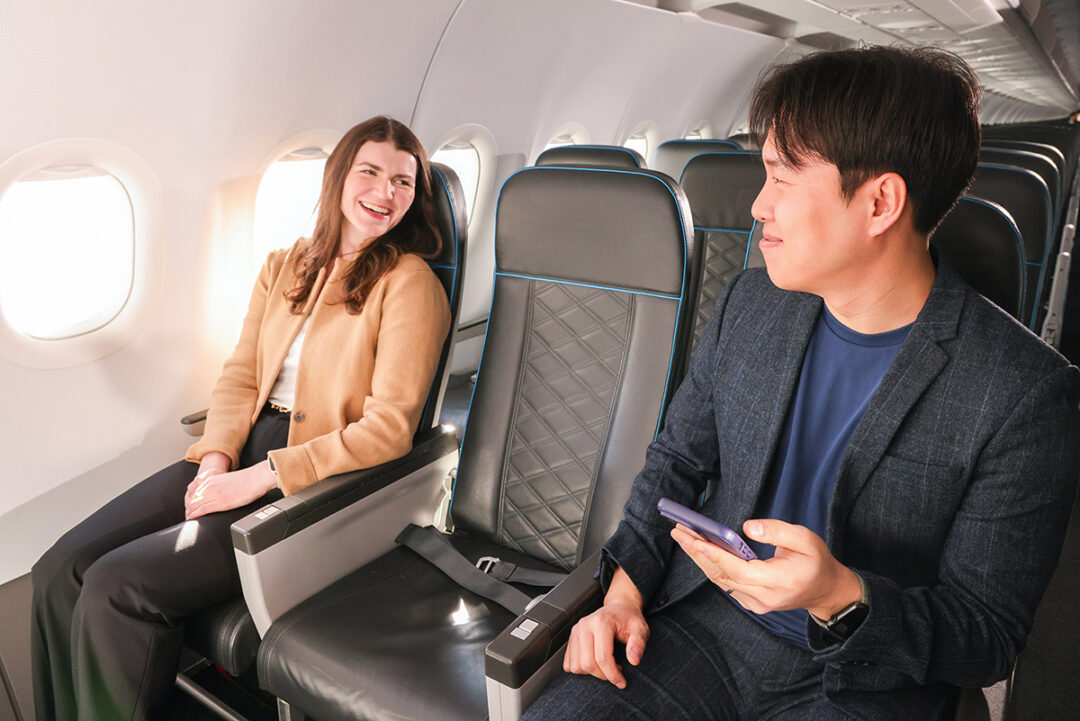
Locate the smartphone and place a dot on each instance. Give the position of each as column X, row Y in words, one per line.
column 707, row 528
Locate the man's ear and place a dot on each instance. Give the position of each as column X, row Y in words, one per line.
column 888, row 194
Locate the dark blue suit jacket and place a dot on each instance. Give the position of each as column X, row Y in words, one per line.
column 951, row 501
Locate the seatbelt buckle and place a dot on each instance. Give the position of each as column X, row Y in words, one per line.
column 486, row 563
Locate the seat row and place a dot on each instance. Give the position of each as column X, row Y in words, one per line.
column 1004, row 237
column 604, row 278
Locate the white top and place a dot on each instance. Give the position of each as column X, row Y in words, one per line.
column 284, row 391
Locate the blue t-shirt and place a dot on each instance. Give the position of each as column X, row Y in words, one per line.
column 840, row 372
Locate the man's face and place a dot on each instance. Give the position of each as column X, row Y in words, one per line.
column 810, row 230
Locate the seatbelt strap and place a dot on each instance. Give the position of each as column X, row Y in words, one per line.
column 513, row 573
column 434, row 548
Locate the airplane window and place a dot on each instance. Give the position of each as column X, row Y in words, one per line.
column 285, row 204
column 699, row 132
column 67, row 237
column 463, row 159
column 639, row 143
column 560, row 140
column 642, row 139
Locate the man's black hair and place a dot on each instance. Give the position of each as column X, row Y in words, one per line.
column 912, row 111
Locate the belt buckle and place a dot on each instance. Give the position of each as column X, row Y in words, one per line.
column 486, row 563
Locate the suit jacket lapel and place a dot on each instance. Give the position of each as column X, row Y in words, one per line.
column 919, row 361
column 773, row 375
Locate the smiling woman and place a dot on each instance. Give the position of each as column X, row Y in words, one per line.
column 111, row 595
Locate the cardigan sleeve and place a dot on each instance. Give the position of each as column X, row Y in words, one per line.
column 236, row 393
column 414, row 321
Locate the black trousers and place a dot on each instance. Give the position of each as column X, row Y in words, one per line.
column 110, row 597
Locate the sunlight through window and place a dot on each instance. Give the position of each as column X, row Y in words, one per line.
column 639, row 143
column 285, row 204
column 67, row 236
column 465, row 162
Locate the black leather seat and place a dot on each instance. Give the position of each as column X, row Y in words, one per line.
column 1026, row 197
column 671, row 156
column 593, row 156
column 1038, row 163
column 225, row 633
column 721, row 188
column 590, row 298
column 981, row 241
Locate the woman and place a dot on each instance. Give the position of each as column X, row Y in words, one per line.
column 111, row 595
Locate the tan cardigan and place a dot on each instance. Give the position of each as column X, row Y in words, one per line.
column 362, row 379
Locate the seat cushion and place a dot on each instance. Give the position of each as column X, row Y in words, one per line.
column 377, row 644
column 224, row 633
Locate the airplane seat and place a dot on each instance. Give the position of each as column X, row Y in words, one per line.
column 721, row 188
column 744, row 141
column 1038, row 163
column 1026, row 197
column 671, row 156
column 575, row 374
column 598, row 156
column 225, row 633
column 980, row 239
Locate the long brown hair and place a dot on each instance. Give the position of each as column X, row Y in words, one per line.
column 416, row 233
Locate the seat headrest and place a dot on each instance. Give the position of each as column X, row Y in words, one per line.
column 449, row 200
column 672, row 156
column 591, row 156
column 607, row 227
column 721, row 188
column 980, row 240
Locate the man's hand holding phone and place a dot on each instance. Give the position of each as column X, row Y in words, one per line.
column 803, row 573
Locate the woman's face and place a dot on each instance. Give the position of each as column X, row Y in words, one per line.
column 378, row 191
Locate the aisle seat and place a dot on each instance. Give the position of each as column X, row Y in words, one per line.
column 574, row 377
column 980, row 240
column 721, row 189
column 1026, row 197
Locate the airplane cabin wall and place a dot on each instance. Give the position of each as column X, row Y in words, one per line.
column 201, row 91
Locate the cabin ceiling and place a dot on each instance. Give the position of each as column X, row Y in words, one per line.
column 1014, row 46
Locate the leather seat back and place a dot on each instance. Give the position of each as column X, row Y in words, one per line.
column 671, row 157
column 1026, row 197
column 721, row 188
column 449, row 266
column 598, row 156
column 1035, row 162
column 981, row 241
column 589, row 307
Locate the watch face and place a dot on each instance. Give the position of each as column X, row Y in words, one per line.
column 844, row 623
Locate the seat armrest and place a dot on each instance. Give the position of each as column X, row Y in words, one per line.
column 260, row 530
column 194, row 423
column 521, row 660
column 291, row 549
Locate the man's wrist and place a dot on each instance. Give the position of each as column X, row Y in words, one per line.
column 851, row 590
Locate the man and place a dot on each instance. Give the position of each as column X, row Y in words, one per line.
column 906, row 452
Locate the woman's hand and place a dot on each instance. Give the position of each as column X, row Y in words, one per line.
column 219, row 491
column 802, row 574
column 590, row 649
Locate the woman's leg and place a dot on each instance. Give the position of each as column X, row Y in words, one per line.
column 128, row 623
column 57, row 578
column 151, row 511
